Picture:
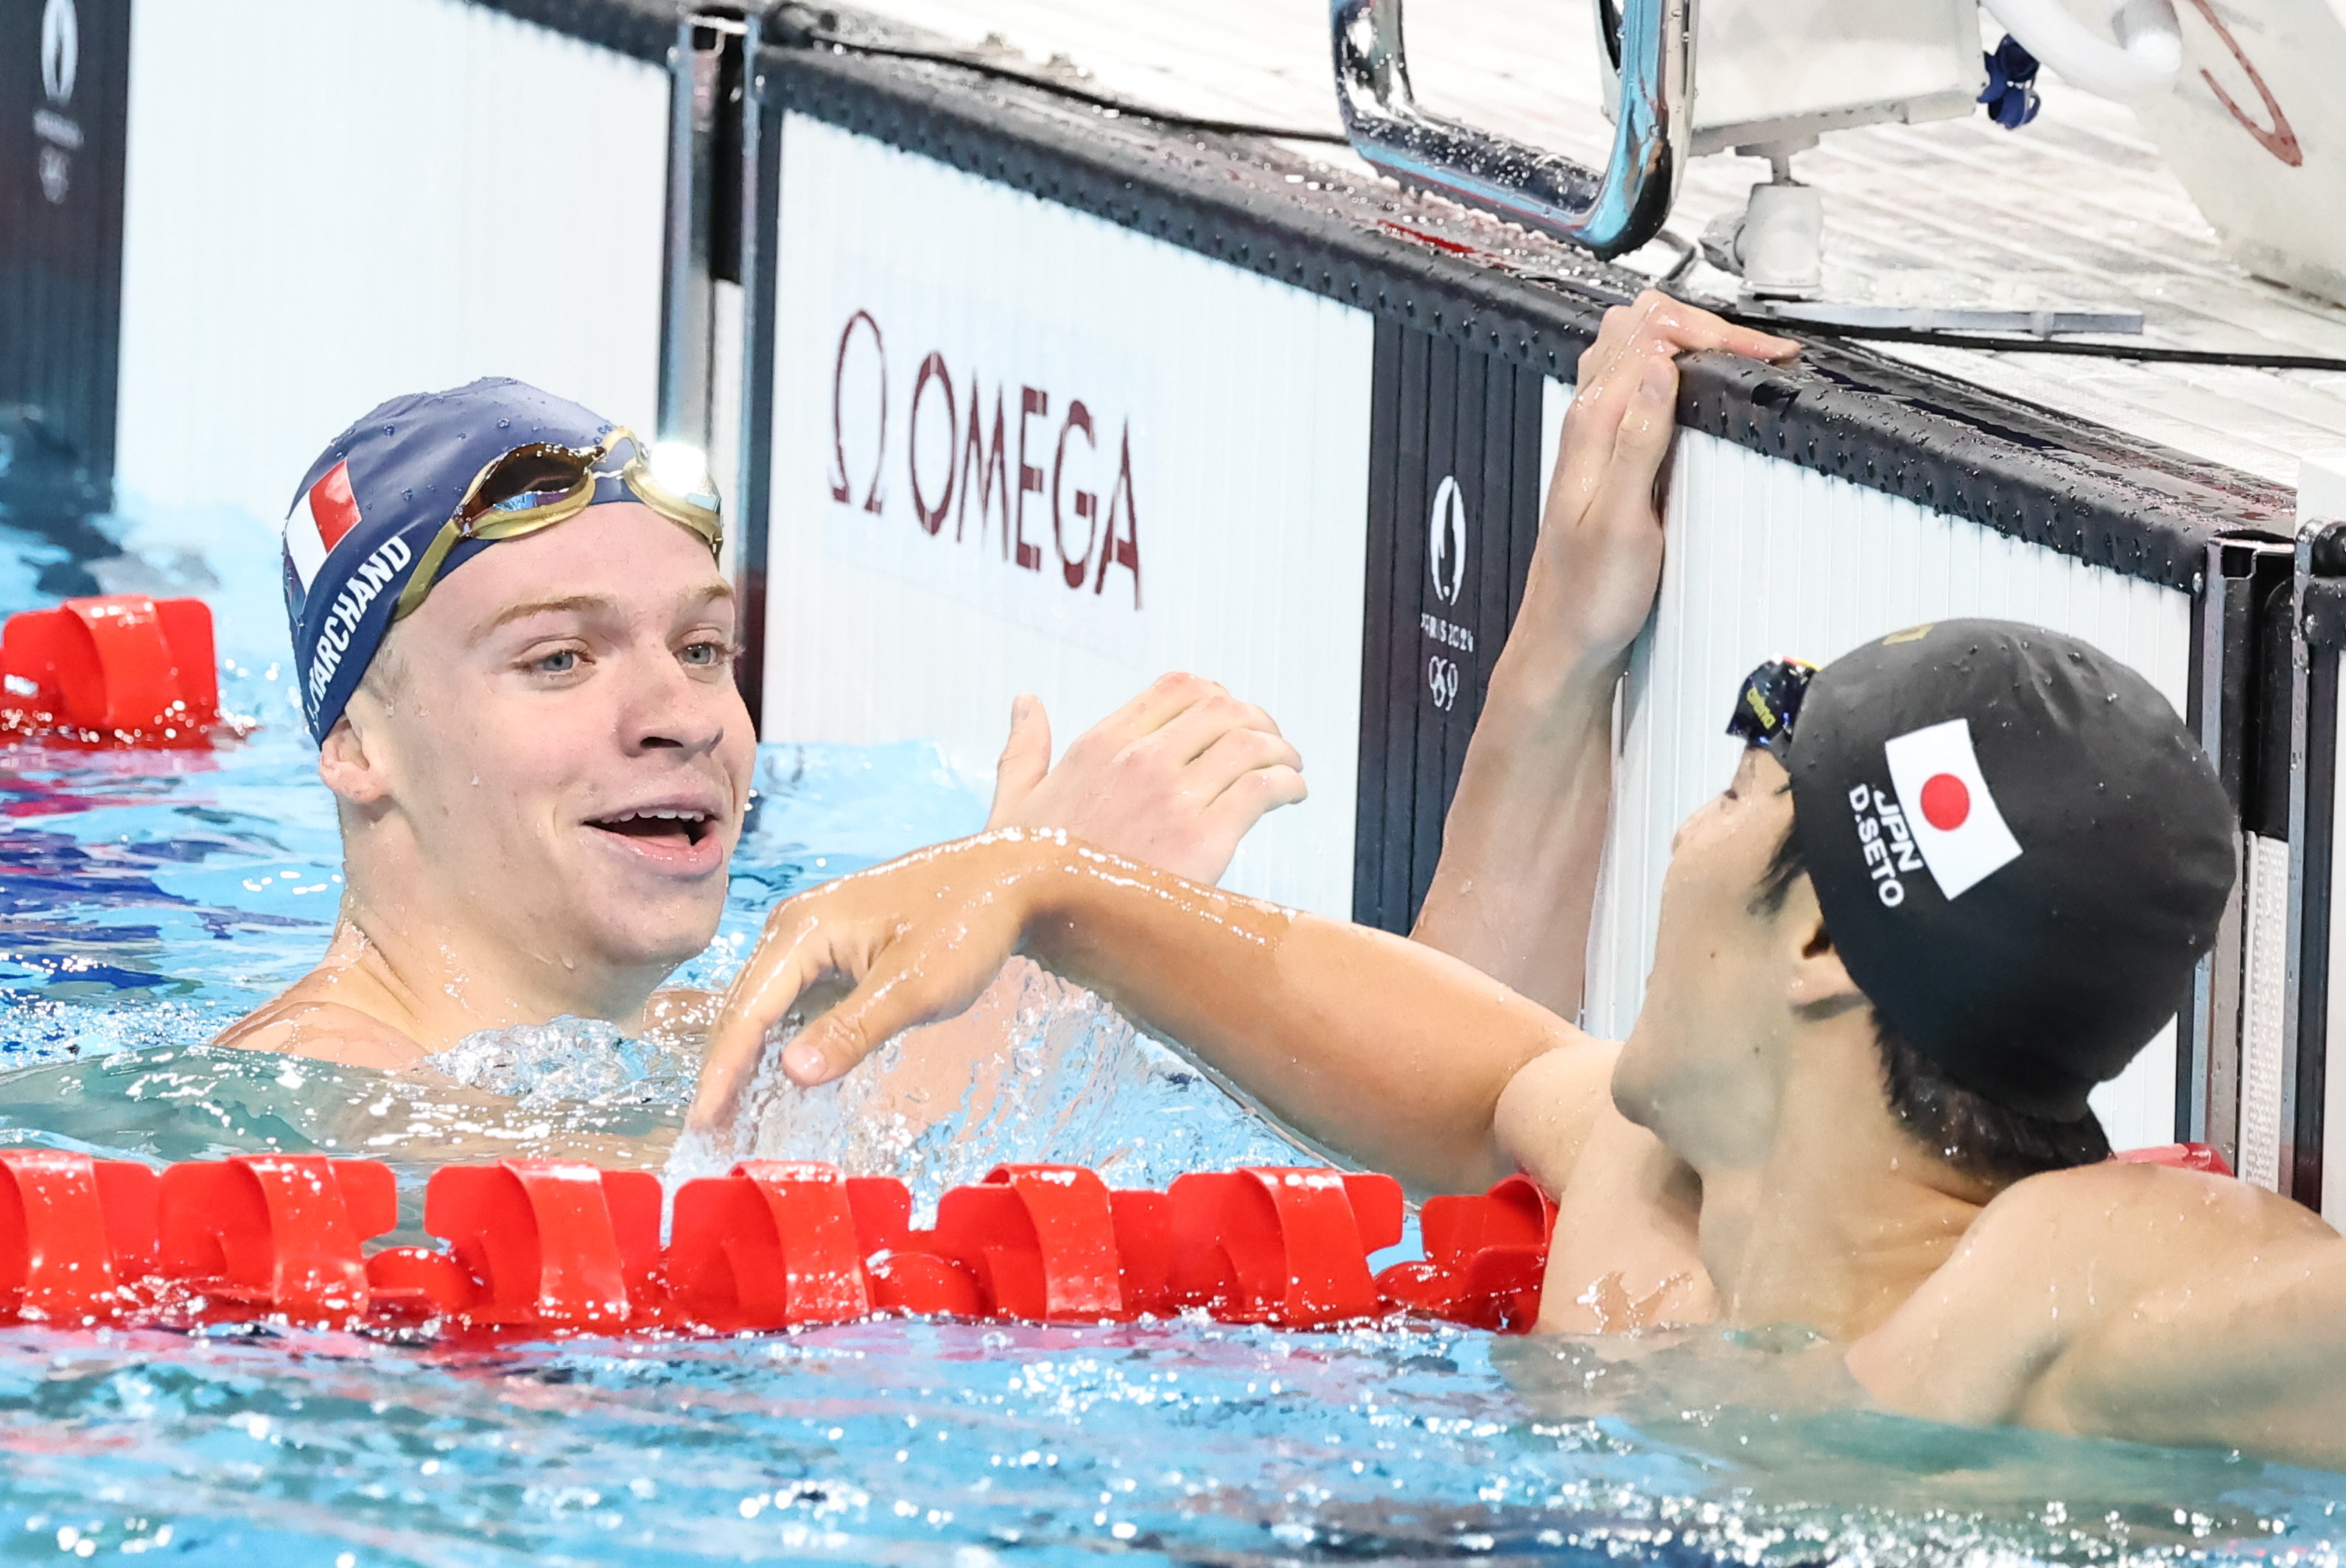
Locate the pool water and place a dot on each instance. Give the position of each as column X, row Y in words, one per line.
column 146, row 900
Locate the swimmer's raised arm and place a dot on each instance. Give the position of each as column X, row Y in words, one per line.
column 1383, row 1049
column 1516, row 884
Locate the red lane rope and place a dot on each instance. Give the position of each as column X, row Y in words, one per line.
column 562, row 1246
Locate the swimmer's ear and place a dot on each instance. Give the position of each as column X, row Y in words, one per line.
column 1819, row 985
column 347, row 769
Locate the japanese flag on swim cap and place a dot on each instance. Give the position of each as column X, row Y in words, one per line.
column 2019, row 850
column 373, row 500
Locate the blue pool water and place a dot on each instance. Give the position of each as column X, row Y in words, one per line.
column 145, row 902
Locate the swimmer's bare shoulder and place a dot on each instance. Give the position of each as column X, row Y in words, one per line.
column 1624, row 1255
column 2132, row 1301
column 302, row 1022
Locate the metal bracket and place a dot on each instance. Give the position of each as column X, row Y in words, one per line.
column 697, row 244
column 2314, row 676
column 2238, row 709
column 1609, row 213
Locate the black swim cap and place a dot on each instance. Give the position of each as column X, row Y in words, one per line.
column 2017, row 847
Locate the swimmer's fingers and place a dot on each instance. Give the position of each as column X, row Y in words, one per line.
column 1197, row 731
column 1690, row 329
column 909, row 985
column 1026, row 760
column 1160, row 703
column 781, row 967
column 1242, row 777
column 1600, row 549
column 1641, row 440
column 1656, row 322
column 1239, row 754
column 1614, row 369
column 1249, row 798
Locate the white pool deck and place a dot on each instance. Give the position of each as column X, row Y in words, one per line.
column 2075, row 208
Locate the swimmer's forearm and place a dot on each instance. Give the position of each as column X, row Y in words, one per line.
column 1516, row 886
column 1385, row 1051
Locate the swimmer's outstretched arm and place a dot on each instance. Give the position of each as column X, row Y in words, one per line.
column 1392, row 1054
column 1517, row 880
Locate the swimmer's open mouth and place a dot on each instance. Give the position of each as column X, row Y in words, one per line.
column 674, row 825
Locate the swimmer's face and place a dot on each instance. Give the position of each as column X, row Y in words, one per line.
column 558, row 732
column 1697, row 1068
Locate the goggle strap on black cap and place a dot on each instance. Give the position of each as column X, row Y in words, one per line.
column 1769, row 703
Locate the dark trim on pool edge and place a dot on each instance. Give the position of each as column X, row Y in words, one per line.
column 643, row 28
column 2047, row 478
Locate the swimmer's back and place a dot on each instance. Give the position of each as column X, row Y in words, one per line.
column 2165, row 1306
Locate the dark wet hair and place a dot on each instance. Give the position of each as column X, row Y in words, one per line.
column 1985, row 1141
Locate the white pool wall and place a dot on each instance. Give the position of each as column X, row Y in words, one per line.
column 1246, row 403
column 329, row 202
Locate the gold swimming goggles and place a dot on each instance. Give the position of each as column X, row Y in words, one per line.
column 539, row 485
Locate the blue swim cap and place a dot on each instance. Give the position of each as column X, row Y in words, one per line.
column 372, row 503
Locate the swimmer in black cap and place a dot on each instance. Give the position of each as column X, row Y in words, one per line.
column 1960, row 876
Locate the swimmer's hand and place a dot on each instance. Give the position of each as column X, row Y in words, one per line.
column 1598, row 562
column 1174, row 778
column 910, row 942
column 1357, row 1040
column 1525, row 832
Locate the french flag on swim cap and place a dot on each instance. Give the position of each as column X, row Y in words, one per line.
column 1948, row 805
column 321, row 518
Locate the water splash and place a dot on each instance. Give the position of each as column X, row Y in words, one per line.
column 1038, row 1070
column 572, row 1061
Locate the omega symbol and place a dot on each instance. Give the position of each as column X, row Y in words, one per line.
column 1445, row 542
column 60, row 50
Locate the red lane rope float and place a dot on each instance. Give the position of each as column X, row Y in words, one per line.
column 112, row 670
column 561, row 1246
column 558, row 1245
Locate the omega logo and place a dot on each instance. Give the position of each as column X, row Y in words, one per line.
column 968, row 465
column 1445, row 542
column 60, row 50
column 59, row 137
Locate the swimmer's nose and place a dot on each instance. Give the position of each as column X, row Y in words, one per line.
column 670, row 711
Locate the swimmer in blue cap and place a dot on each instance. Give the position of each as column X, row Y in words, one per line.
column 515, row 649
column 1962, row 875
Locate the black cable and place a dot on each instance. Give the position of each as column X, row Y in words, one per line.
column 1933, row 338
column 1080, row 95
